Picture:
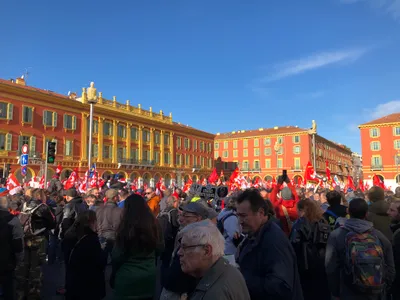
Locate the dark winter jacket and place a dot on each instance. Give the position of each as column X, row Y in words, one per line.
column 42, row 217
column 396, row 253
column 108, row 219
column 377, row 214
column 71, row 211
column 55, row 186
column 268, row 264
column 335, row 260
column 85, row 269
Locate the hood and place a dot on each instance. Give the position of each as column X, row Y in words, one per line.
column 379, row 208
column 358, row 225
column 224, row 212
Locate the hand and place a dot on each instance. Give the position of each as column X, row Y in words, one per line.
column 287, row 179
column 280, row 180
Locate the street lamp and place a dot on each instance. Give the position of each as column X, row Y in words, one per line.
column 92, row 99
column 313, row 132
column 277, row 148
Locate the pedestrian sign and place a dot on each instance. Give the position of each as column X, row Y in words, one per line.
column 24, row 170
column 24, row 159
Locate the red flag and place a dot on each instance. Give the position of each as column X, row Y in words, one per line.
column 13, row 185
column 377, row 181
column 72, row 179
column 234, row 175
column 328, row 171
column 361, row 185
column 309, row 174
column 213, row 177
column 41, row 182
column 59, row 169
column 350, row 183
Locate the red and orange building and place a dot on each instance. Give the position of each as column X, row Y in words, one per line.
column 137, row 143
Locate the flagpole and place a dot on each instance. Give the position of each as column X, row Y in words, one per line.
column 45, row 164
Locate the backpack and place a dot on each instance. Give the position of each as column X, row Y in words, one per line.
column 25, row 217
column 220, row 222
column 7, row 258
column 364, row 262
column 314, row 246
column 332, row 217
column 165, row 221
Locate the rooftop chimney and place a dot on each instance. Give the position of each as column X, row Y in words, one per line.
column 20, row 81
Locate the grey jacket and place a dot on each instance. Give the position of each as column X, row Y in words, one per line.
column 335, row 260
column 223, row 282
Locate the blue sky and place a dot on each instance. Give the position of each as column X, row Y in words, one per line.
column 217, row 65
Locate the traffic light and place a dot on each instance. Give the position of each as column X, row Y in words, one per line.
column 7, row 171
column 51, row 152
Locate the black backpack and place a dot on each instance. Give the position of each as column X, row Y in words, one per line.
column 220, row 222
column 7, row 257
column 165, row 221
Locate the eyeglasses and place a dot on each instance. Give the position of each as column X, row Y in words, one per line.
column 187, row 247
column 188, row 216
column 147, row 193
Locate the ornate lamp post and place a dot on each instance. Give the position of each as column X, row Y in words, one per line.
column 277, row 148
column 92, row 99
column 313, row 132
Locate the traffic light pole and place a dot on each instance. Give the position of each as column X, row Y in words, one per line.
column 45, row 165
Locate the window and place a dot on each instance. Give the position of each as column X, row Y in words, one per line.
column 280, row 140
column 69, row 122
column 376, row 161
column 95, row 127
column 256, row 142
column 267, row 151
column 49, row 118
column 396, row 131
column 374, row 132
column 146, row 155
column 397, row 144
column 210, row 163
column 202, row 161
column 167, row 158
column 216, row 145
column 256, row 164
column 68, row 147
column 245, row 153
column 6, row 111
column 267, row 141
column 178, row 142
column 296, row 150
column 245, row 165
column 202, row 146
column 280, row 163
column 225, row 145
column 107, row 151
column 187, row 143
column 166, row 139
column 178, row 159
column 375, row 146
column 280, row 151
column 135, row 154
column 121, row 131
column 187, row 160
column 195, row 145
column 209, row 147
column 27, row 114
column 146, row 136
column 5, row 141
column 45, row 141
column 216, row 154
column 121, row 153
column 257, row 152
column 235, row 153
column 108, row 129
column 268, row 163
column 296, row 139
column 245, row 143
column 235, row 143
column 225, row 166
column 157, row 157
column 157, row 139
column 95, row 151
column 225, row 154
column 134, row 133
column 297, row 163
column 32, row 145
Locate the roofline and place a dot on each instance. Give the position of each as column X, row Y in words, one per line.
column 233, row 137
column 366, row 125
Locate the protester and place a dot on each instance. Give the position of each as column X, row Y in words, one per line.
column 138, row 242
column 201, row 252
column 74, row 206
column 335, row 212
column 123, row 194
column 377, row 211
column 228, row 224
column 357, row 250
column 266, row 257
column 153, row 201
column 394, row 214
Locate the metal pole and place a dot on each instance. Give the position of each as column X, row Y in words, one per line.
column 277, row 165
column 315, row 153
column 90, row 141
column 45, row 164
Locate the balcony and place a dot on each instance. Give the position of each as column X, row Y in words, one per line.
column 297, row 169
column 132, row 163
column 376, row 168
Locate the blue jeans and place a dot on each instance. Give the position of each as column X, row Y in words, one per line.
column 54, row 250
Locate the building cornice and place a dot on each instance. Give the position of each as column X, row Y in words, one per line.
column 390, row 124
column 217, row 139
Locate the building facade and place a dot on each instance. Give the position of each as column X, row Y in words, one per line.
column 134, row 142
column 380, row 144
column 266, row 152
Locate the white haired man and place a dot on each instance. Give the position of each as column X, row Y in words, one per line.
column 201, row 256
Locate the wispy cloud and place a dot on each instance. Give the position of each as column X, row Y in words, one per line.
column 391, row 7
column 385, row 109
column 313, row 62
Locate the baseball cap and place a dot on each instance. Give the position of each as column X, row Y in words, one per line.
column 196, row 208
column 286, row 193
column 71, row 193
column 111, row 193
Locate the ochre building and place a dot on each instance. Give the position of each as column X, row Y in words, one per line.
column 266, row 152
column 137, row 143
column 380, row 144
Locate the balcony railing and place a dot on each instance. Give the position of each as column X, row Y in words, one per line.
column 196, row 167
column 133, row 161
column 376, row 168
column 297, row 169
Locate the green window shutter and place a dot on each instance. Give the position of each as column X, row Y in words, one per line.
column 111, row 151
column 73, row 123
column 54, row 119
column 19, row 144
column 44, row 117
column 95, row 150
column 124, row 152
column 55, row 141
column 32, row 145
column 8, row 141
column 10, row 111
column 65, row 121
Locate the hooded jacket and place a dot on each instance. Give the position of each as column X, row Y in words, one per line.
column 290, row 206
column 377, row 214
column 335, row 260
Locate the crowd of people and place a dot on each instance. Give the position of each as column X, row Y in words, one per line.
column 281, row 243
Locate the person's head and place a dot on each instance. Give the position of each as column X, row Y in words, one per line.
column 286, row 193
column 138, row 229
column 149, row 193
column 230, row 203
column 28, row 193
column 112, row 195
column 93, row 191
column 264, row 194
column 38, row 194
column 90, row 200
column 84, row 224
column 191, row 213
column 71, row 194
column 310, row 210
column 167, row 192
column 201, row 246
column 358, row 208
column 270, row 208
column 334, row 198
column 4, row 203
column 316, row 197
column 394, row 211
column 123, row 194
column 376, row 194
column 322, row 197
column 251, row 210
column 172, row 202
column 397, row 192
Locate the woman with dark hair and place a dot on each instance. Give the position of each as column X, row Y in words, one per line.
column 134, row 256
column 309, row 237
column 86, row 264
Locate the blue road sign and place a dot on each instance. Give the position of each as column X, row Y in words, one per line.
column 24, row 160
column 24, row 170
